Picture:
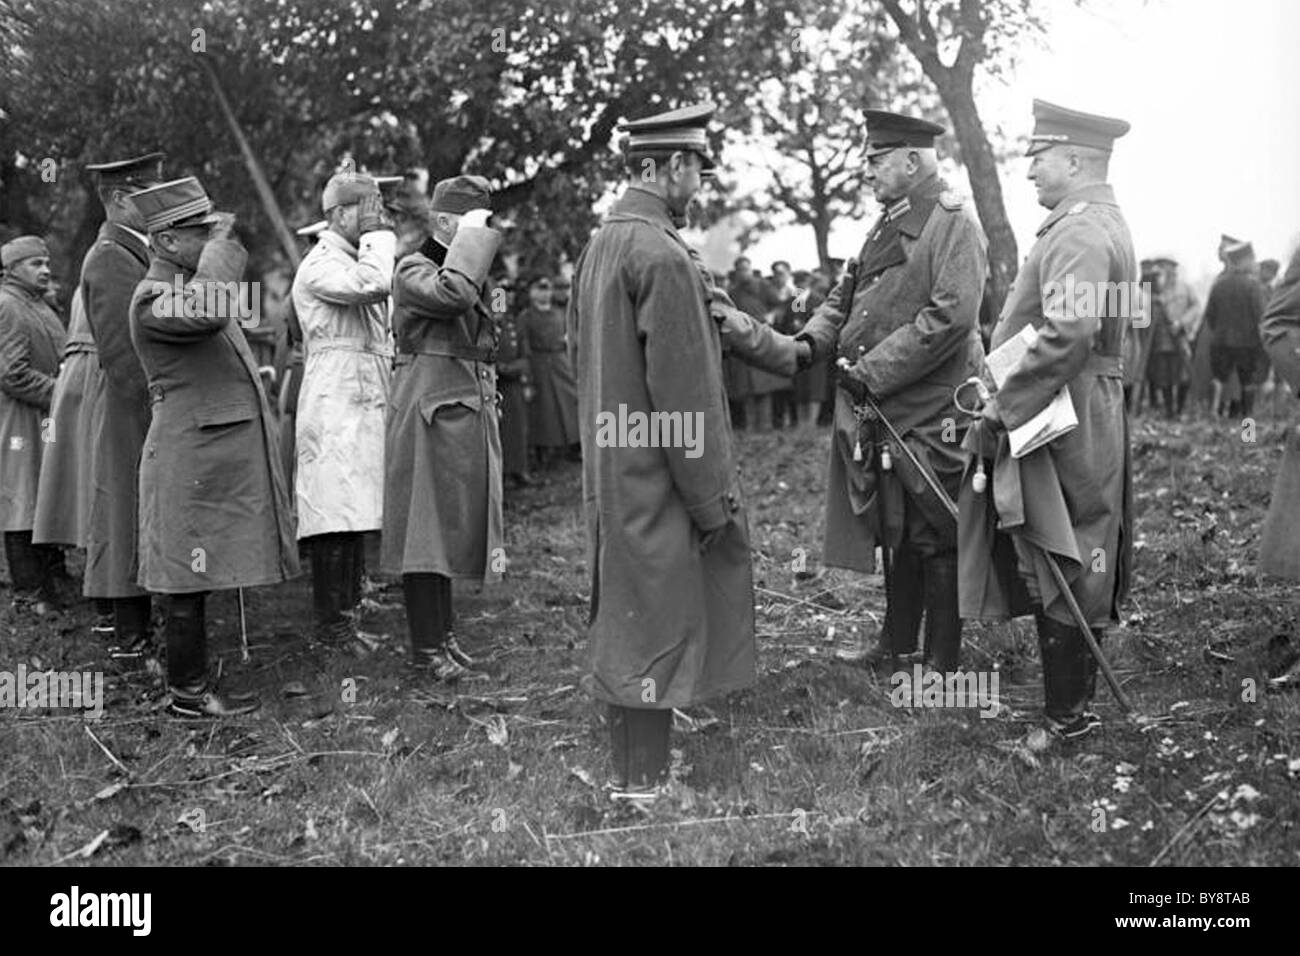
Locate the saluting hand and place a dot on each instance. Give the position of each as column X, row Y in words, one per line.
column 371, row 214
column 476, row 218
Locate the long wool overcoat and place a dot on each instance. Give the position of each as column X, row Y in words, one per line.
column 31, row 341
column 119, row 416
column 672, row 622
column 214, row 508
column 906, row 312
column 1071, row 497
column 63, row 496
column 442, row 492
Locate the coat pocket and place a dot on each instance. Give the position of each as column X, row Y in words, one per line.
column 446, row 400
column 227, row 413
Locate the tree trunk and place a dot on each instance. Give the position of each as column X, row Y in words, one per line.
column 977, row 154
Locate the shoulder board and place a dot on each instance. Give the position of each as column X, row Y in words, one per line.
column 951, row 200
column 1077, row 208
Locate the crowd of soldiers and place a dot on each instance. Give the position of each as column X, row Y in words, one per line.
column 1213, row 356
column 145, row 435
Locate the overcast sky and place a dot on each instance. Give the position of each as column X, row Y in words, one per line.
column 1212, row 88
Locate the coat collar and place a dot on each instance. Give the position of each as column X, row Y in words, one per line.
column 20, row 290
column 919, row 202
column 126, row 238
column 1077, row 201
column 331, row 238
column 643, row 204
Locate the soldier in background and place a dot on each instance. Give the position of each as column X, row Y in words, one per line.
column 1232, row 313
column 553, row 412
column 31, row 341
column 515, row 378
column 1183, row 310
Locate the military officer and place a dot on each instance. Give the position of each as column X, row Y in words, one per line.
column 31, row 340
column 214, row 507
column 1071, row 497
column 905, row 314
column 672, row 616
column 442, row 493
column 340, row 297
column 119, row 413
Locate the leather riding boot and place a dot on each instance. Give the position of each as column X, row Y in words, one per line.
column 1065, row 674
column 320, row 581
column 426, row 623
column 32, row 590
column 638, row 742
column 132, row 627
column 942, row 622
column 187, row 642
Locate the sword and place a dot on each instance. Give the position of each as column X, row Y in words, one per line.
column 243, row 627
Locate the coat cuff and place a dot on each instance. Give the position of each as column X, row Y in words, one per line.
column 716, row 512
column 471, row 252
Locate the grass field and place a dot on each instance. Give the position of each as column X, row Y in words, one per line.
column 354, row 761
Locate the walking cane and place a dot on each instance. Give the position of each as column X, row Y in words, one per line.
column 1057, row 574
column 243, row 627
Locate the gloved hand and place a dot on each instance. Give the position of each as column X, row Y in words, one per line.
column 372, row 216
column 991, row 417
column 477, row 218
column 855, row 388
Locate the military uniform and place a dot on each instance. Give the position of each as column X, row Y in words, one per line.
column 63, row 495
column 442, row 493
column 905, row 314
column 672, row 612
column 553, row 412
column 515, row 377
column 1233, row 311
column 1070, row 498
column 31, row 341
column 214, row 506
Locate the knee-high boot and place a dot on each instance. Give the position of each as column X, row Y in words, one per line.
column 942, row 622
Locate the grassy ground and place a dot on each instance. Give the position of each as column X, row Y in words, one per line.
column 352, row 761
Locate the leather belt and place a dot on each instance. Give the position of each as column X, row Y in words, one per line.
column 469, row 353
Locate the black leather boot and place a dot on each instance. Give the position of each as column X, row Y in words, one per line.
column 27, row 571
column 942, row 622
column 193, row 695
column 329, row 567
column 903, row 609
column 426, row 620
column 132, row 628
column 1067, row 665
column 638, row 741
